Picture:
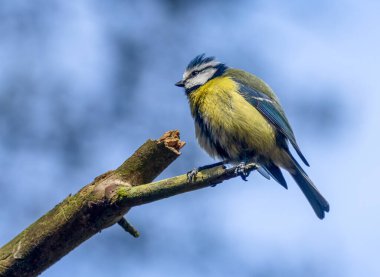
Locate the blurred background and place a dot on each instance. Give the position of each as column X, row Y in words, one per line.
column 84, row 83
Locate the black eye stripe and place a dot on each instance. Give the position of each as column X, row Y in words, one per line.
column 196, row 72
column 207, row 67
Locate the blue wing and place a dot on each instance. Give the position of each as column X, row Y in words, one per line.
column 272, row 111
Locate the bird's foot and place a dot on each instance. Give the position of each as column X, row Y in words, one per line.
column 242, row 171
column 192, row 175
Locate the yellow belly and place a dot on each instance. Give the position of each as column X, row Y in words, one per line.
column 231, row 122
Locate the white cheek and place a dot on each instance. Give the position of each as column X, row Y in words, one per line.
column 189, row 84
column 200, row 79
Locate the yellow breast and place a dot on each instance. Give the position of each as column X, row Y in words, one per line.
column 232, row 122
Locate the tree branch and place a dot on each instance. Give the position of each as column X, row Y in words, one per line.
column 103, row 203
column 143, row 194
column 79, row 217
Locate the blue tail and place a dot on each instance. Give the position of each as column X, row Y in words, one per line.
column 315, row 198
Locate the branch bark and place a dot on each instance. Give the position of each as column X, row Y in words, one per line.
column 103, row 203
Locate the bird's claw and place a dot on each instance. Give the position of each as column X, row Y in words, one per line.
column 192, row 175
column 242, row 171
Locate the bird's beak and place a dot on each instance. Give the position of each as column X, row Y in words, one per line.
column 180, row 84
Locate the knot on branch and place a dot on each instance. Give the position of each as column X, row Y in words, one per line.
column 172, row 140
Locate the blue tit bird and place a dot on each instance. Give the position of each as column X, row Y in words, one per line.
column 238, row 118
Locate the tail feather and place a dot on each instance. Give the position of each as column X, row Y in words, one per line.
column 315, row 198
column 275, row 172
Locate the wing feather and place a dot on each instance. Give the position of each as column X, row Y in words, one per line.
column 272, row 111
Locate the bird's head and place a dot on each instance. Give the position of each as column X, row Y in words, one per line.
column 199, row 71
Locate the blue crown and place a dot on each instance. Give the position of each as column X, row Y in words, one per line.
column 198, row 60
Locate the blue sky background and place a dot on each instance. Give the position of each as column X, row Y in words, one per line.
column 84, row 83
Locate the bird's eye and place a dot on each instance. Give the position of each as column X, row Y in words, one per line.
column 194, row 73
